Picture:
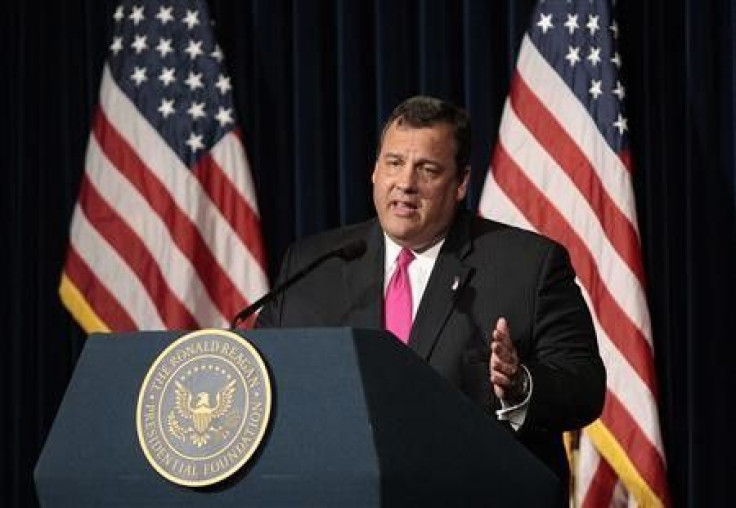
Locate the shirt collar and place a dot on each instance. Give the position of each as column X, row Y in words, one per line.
column 424, row 258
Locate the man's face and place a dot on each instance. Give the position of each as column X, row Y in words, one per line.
column 416, row 185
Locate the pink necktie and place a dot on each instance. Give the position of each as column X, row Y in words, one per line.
column 397, row 305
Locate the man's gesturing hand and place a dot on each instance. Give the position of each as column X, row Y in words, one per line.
column 507, row 375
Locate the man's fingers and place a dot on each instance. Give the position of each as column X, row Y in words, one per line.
column 503, row 363
column 500, row 392
column 502, row 367
column 501, row 384
column 500, row 379
column 505, row 353
column 502, row 326
column 501, row 332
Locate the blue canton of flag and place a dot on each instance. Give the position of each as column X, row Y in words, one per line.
column 164, row 57
column 579, row 40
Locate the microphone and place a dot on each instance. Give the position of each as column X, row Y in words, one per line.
column 348, row 252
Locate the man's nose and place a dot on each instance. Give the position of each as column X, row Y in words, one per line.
column 406, row 179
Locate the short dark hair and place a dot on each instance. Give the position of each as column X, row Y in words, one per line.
column 423, row 111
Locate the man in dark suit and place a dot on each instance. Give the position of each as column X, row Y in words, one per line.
column 495, row 309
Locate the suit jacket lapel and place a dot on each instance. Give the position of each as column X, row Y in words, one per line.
column 364, row 282
column 449, row 276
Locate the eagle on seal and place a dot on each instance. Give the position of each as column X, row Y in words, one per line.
column 200, row 411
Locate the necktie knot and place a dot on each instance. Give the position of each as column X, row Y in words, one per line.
column 406, row 256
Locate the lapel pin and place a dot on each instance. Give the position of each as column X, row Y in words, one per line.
column 455, row 282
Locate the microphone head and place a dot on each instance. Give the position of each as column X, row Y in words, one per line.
column 352, row 250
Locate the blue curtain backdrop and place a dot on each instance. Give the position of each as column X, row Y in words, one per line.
column 313, row 83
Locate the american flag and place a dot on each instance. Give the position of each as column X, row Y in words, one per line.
column 562, row 167
column 166, row 230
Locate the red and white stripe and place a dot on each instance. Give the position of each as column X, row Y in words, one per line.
column 554, row 173
column 155, row 244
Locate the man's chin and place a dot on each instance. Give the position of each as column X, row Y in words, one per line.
column 405, row 238
column 410, row 240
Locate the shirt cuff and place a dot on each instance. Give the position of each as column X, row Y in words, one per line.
column 516, row 414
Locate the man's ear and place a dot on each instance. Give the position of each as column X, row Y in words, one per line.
column 462, row 189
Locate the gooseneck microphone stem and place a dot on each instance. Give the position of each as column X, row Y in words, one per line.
column 347, row 252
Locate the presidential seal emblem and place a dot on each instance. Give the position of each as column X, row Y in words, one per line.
column 203, row 407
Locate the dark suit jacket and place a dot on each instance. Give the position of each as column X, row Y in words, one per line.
column 500, row 271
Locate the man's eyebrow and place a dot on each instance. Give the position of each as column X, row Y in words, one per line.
column 427, row 160
column 424, row 160
column 393, row 154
